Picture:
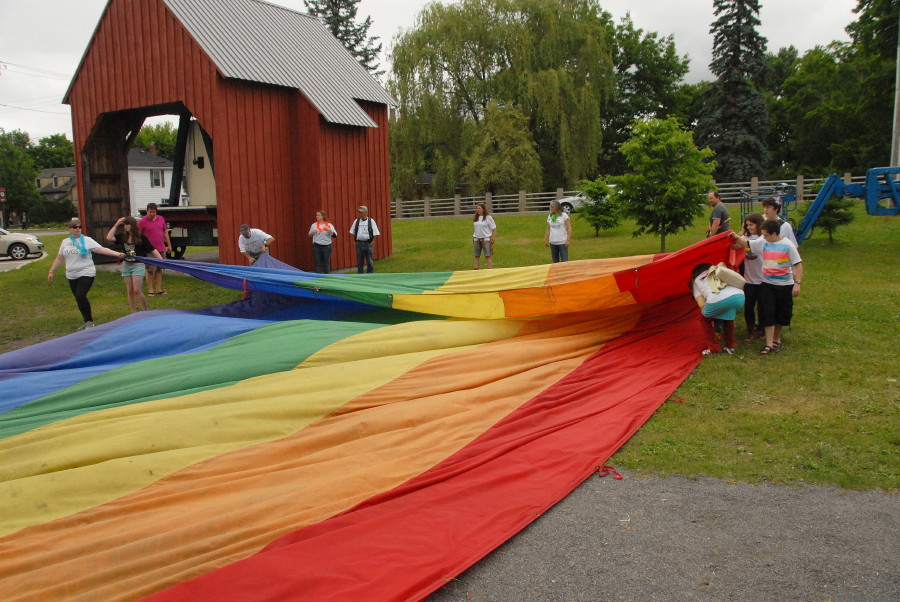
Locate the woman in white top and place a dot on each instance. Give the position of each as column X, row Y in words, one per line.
column 753, row 275
column 80, row 270
column 485, row 232
column 558, row 234
column 322, row 232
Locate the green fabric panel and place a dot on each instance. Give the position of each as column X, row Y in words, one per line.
column 239, row 358
column 376, row 289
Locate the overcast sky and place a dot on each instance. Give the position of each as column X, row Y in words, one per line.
column 42, row 41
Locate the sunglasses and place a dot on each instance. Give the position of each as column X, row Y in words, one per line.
column 74, row 226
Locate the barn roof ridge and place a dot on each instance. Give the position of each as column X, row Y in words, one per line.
column 255, row 40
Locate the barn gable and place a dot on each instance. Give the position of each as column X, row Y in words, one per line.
column 295, row 124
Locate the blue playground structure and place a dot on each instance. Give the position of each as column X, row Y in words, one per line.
column 881, row 192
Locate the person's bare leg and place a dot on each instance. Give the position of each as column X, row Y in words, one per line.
column 129, row 288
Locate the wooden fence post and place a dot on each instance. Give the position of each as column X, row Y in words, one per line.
column 848, row 178
column 559, row 193
column 426, row 207
column 800, row 188
column 487, row 202
column 399, row 203
column 521, row 201
column 457, row 204
column 754, row 184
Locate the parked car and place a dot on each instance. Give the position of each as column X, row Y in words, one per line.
column 570, row 203
column 19, row 246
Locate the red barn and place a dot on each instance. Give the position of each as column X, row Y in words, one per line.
column 292, row 121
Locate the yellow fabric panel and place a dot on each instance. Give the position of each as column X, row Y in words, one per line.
column 473, row 293
column 123, row 449
column 139, row 544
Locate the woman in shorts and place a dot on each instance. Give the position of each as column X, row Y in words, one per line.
column 483, row 238
column 134, row 244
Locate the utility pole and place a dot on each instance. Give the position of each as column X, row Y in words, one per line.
column 895, row 139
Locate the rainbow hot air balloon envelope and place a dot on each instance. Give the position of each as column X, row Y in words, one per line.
column 332, row 437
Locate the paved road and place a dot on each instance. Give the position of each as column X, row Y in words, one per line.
column 652, row 538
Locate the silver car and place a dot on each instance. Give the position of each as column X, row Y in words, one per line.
column 19, row 246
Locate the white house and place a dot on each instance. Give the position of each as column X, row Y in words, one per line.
column 149, row 178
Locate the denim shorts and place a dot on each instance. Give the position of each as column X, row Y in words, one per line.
column 133, row 269
column 482, row 243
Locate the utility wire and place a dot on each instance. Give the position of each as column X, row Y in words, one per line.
column 35, row 110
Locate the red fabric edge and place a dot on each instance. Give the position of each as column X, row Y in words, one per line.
column 408, row 542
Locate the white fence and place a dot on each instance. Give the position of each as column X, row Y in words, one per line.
column 538, row 202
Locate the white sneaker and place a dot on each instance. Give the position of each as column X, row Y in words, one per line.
column 85, row 326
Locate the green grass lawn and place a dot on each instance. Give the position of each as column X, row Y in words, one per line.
column 824, row 410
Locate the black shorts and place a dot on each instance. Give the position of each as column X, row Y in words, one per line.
column 776, row 304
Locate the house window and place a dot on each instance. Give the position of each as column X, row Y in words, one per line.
column 156, row 178
column 55, row 182
column 38, row 182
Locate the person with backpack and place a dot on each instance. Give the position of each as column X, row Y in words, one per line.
column 364, row 230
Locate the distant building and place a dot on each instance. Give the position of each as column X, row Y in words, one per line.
column 57, row 184
column 149, row 178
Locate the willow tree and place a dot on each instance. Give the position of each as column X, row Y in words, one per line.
column 504, row 160
column 548, row 59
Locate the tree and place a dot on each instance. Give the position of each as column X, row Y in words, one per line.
column 504, row 161
column 340, row 18
column 735, row 122
column 162, row 135
column 836, row 122
column 18, row 172
column 599, row 209
column 778, row 68
column 838, row 211
column 53, row 151
column 669, row 175
column 548, row 59
column 648, row 71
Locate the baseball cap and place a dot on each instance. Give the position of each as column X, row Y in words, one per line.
column 245, row 227
column 363, row 209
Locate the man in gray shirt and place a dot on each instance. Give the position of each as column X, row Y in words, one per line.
column 719, row 218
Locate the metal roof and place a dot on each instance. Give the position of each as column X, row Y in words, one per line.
column 261, row 42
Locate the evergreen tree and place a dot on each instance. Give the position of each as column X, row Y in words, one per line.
column 340, row 18
column 734, row 121
column 838, row 211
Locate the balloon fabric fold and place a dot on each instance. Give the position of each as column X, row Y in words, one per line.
column 364, row 436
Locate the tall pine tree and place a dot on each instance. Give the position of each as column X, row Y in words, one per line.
column 734, row 121
column 340, row 18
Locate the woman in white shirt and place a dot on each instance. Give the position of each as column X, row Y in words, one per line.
column 721, row 304
column 483, row 238
column 76, row 251
column 322, row 232
column 558, row 234
column 753, row 275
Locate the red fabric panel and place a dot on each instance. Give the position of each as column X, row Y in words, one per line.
column 407, row 542
column 669, row 273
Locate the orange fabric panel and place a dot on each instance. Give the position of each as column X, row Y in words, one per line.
column 233, row 505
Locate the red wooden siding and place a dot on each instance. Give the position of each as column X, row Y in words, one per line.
column 276, row 160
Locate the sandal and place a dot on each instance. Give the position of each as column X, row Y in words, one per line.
column 776, row 346
column 767, row 350
column 151, row 294
column 161, row 293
